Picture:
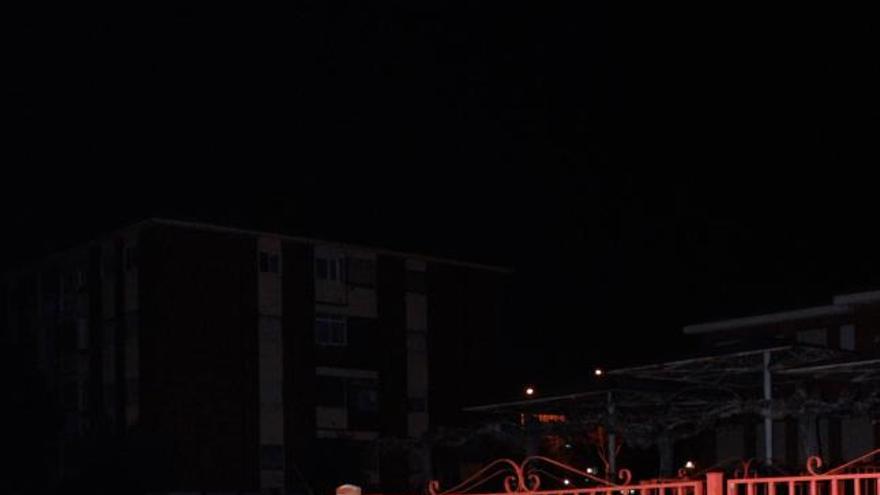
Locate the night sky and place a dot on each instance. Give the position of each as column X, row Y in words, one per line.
column 640, row 167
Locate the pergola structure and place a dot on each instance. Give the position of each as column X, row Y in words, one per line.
column 657, row 404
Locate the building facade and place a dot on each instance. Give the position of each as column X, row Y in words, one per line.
column 215, row 359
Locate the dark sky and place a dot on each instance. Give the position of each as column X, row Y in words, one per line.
column 641, row 167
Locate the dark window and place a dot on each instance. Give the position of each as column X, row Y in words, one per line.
column 415, row 281
column 269, row 263
column 417, row 404
column 130, row 254
column 332, row 269
column 362, row 403
column 331, row 391
column 271, row 457
column 331, row 329
column 362, row 272
column 321, row 268
column 366, row 399
column 108, row 265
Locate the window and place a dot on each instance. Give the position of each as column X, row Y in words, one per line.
column 271, row 457
column 130, row 255
column 269, row 263
column 362, row 272
column 416, row 341
column 550, row 418
column 813, row 337
column 330, row 329
column 331, row 391
column 352, row 392
column 365, row 398
column 415, row 281
column 417, row 404
column 330, row 268
column 848, row 337
column 356, row 394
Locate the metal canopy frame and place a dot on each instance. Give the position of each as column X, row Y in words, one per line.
column 678, row 399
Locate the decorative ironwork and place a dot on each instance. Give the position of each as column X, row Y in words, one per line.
column 530, row 476
column 814, row 462
column 746, row 466
column 526, row 476
column 849, row 464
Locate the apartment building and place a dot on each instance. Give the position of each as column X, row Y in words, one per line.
column 234, row 361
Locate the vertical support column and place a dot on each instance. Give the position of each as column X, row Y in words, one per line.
column 612, row 439
column 270, row 358
column 768, row 419
column 417, row 378
column 714, row 483
column 666, row 450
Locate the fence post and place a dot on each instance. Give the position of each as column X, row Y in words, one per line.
column 714, row 483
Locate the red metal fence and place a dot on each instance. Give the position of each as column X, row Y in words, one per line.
column 543, row 476
column 851, row 478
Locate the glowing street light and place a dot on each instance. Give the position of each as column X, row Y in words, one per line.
column 689, row 465
column 591, row 470
column 530, row 391
column 566, row 482
column 598, row 372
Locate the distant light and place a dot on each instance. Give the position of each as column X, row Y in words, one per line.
column 566, row 482
column 530, row 391
column 568, row 445
column 598, row 372
column 632, row 492
column 689, row 465
column 591, row 470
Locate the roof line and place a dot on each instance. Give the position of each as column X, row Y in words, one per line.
column 312, row 240
column 824, row 367
column 622, row 371
column 488, row 407
column 72, row 250
column 751, row 321
column 858, row 298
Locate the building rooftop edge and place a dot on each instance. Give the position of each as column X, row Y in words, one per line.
column 248, row 232
column 315, row 240
column 752, row 321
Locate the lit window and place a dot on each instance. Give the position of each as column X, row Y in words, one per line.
column 330, row 329
column 550, row 418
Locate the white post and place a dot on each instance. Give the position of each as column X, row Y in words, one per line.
column 768, row 420
column 348, row 490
